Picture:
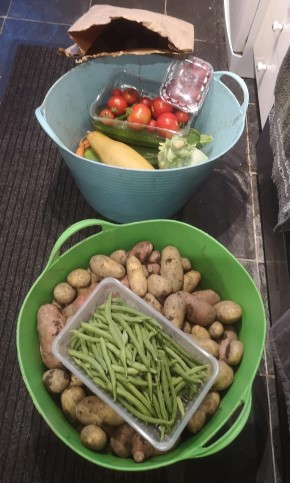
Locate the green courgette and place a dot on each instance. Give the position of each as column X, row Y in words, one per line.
column 145, row 138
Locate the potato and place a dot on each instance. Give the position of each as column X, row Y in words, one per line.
column 206, row 410
column 120, row 256
column 121, row 440
column 71, row 309
column 208, row 295
column 174, row 309
column 56, row 380
column 191, row 280
column 186, row 264
column 209, row 345
column 153, row 268
column 93, row 437
column 104, row 266
column 69, row 399
column 75, row 381
column 92, row 410
column 142, row 251
column 64, row 293
column 199, row 311
column 224, row 378
column 235, row 352
column 155, row 257
column 136, row 276
column 79, row 278
column 216, row 330
column 227, row 337
column 197, row 421
column 187, row 327
column 151, row 300
column 50, row 322
column 200, row 332
column 171, row 267
column 228, row 312
column 159, row 286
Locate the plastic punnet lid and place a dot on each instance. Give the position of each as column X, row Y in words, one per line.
column 186, row 83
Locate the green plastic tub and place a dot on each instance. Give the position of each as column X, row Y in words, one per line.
column 126, row 195
column 220, row 271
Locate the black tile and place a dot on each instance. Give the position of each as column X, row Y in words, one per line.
column 52, row 11
column 206, row 17
column 152, row 5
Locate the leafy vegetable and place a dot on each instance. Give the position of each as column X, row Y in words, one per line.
column 177, row 152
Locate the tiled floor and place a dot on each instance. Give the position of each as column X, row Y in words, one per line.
column 235, row 178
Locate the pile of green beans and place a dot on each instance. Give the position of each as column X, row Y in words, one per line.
column 128, row 354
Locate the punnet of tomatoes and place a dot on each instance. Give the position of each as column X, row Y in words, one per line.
column 141, row 112
column 131, row 109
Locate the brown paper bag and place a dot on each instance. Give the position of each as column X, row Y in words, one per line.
column 108, row 30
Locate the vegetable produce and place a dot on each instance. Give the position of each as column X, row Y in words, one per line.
column 158, row 107
column 178, row 153
column 130, row 95
column 116, row 153
column 205, row 411
column 136, row 276
column 167, row 122
column 221, row 339
column 140, row 349
column 139, row 116
column 50, row 321
column 117, row 105
column 228, row 311
column 56, row 380
column 92, row 410
column 69, row 400
column 93, row 437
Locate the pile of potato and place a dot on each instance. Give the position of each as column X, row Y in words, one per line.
column 168, row 282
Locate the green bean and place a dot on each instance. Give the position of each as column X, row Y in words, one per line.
column 183, row 373
column 132, row 389
column 133, row 400
column 84, row 336
column 165, row 386
column 180, row 406
column 173, row 398
column 120, row 369
column 133, row 338
column 114, row 330
column 148, row 344
column 95, row 330
column 111, row 370
column 145, row 418
column 86, row 358
column 173, row 354
column 98, row 357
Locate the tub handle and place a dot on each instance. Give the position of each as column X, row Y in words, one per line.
column 229, row 436
column 242, row 84
column 70, row 231
column 39, row 113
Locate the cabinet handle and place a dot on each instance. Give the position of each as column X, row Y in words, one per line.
column 276, row 25
column 261, row 67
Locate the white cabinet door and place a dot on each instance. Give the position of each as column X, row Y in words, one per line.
column 266, row 65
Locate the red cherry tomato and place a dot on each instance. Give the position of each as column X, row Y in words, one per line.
column 167, row 120
column 130, row 95
column 182, row 117
column 117, row 104
column 106, row 114
column 116, row 92
column 152, row 125
column 139, row 114
column 158, row 106
column 145, row 100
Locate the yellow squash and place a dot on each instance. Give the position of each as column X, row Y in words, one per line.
column 116, row 153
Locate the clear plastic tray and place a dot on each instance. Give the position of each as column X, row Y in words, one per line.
column 148, row 431
column 186, row 83
column 120, row 129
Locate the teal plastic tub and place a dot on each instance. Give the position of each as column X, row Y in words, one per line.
column 220, row 271
column 126, row 195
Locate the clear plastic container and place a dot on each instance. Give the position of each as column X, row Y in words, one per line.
column 186, row 83
column 120, row 129
column 148, row 431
